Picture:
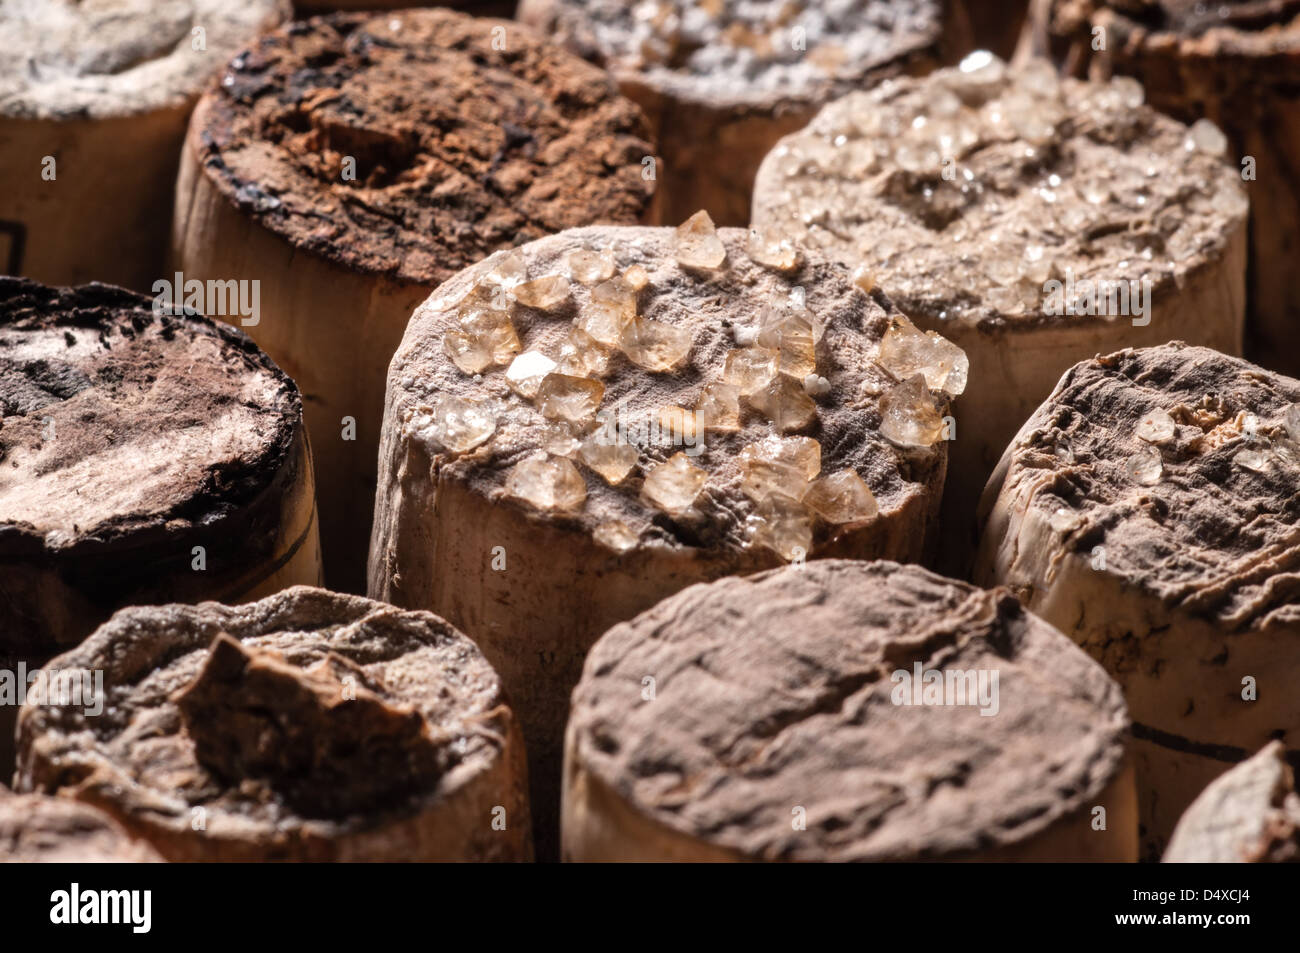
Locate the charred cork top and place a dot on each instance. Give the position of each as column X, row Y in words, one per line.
column 415, row 143
column 71, row 60
column 1183, row 462
column 121, row 423
column 35, row 828
column 776, row 690
column 753, row 54
column 294, row 722
column 967, row 191
column 666, row 388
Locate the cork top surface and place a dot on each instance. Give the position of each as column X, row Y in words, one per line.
column 968, row 191
column 777, row 691
column 38, row 829
column 717, row 311
column 1251, row 814
column 70, row 59
column 1149, row 452
column 1237, row 26
column 116, row 422
column 413, row 144
column 751, row 53
column 305, row 715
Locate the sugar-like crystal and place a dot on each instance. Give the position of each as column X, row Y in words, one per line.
column 526, row 372
column 547, row 483
column 1205, row 136
column 815, row 385
column 906, row 350
column 461, row 425
column 611, row 308
column 581, row 355
column 655, row 345
column 588, row 266
column 697, row 244
column 782, row 525
column 792, row 333
column 750, row 369
column 612, row 459
column 636, row 277
column 718, row 407
column 1145, row 467
column 615, row 535
column 545, row 293
column 1064, row 520
column 569, row 398
column 492, row 330
column 674, row 484
column 841, row 497
column 864, row 278
column 783, row 465
column 772, row 248
column 784, row 402
column 909, row 416
column 1157, row 427
column 1252, row 459
column 510, row 269
column 467, row 352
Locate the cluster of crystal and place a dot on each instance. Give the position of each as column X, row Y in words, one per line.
column 674, row 484
column 697, row 243
column 909, row 415
column 906, row 175
column 793, row 332
column 547, row 483
column 905, row 351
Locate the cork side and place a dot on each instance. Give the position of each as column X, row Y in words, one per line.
column 37, row 829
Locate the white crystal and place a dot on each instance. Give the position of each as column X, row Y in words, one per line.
column 1157, row 427
column 1063, row 520
column 1252, row 460
column 461, row 425
column 525, row 373
column 1145, row 467
column 1205, row 136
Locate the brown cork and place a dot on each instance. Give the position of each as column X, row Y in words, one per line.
column 460, row 148
column 307, row 726
column 778, row 694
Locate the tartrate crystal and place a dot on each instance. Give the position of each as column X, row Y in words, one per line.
column 589, row 266
column 654, row 345
column 574, row 399
column 526, row 372
column 750, row 369
column 608, row 313
column 698, row 244
column 612, row 459
column 581, row 355
column 783, row 525
column 467, row 352
column 461, row 425
column 547, row 483
column 782, row 465
column 1157, row 427
column 841, row 497
column 546, row 293
column 772, row 249
column 674, row 484
column 785, row 403
column 906, row 350
column 1145, row 467
column 909, row 416
column 790, row 332
column 1252, row 459
column 636, row 277
column 718, row 407
column 615, row 535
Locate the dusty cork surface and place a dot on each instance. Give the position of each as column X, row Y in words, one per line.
column 38, row 829
column 383, row 716
column 774, row 690
column 1250, row 815
column 459, row 148
column 73, row 60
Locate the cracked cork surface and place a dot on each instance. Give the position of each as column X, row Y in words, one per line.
column 293, row 722
column 966, row 191
column 1196, row 505
column 73, row 60
column 460, row 148
column 774, row 690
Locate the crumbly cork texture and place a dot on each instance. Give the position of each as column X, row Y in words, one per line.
column 1233, row 64
column 1034, row 221
column 1159, row 483
column 413, row 145
column 1251, row 815
column 728, row 79
column 38, row 829
column 308, row 726
column 776, row 696
column 537, row 485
